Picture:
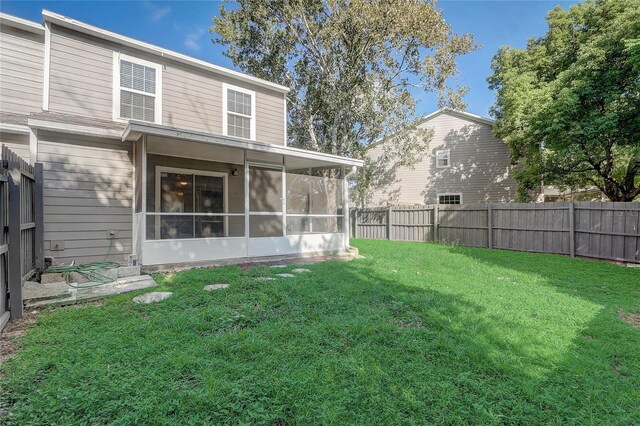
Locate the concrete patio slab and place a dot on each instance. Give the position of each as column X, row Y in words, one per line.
column 79, row 295
column 32, row 290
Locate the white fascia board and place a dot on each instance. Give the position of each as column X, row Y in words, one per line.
column 20, row 23
column 66, row 22
column 17, row 129
column 136, row 128
column 436, row 113
column 464, row 114
column 75, row 129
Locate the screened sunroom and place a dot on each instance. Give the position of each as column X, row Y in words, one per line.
column 202, row 197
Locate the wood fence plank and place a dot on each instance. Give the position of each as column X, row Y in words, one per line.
column 601, row 230
column 13, row 257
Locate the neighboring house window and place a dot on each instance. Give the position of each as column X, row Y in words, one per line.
column 137, row 89
column 193, row 202
column 449, row 198
column 239, row 112
column 442, row 158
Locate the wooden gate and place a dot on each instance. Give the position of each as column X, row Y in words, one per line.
column 22, row 234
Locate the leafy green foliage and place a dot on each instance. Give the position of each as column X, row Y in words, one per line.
column 351, row 65
column 568, row 105
column 411, row 334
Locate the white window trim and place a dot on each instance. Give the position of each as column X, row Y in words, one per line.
column 117, row 57
column 448, row 155
column 449, row 194
column 252, row 128
column 225, row 201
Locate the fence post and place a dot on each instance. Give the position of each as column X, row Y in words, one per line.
column 14, row 273
column 572, row 231
column 355, row 223
column 489, row 225
column 436, row 224
column 38, row 206
column 389, row 223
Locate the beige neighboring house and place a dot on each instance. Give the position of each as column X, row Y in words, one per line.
column 464, row 163
column 550, row 194
column 155, row 156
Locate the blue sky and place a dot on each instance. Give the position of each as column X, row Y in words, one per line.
column 183, row 26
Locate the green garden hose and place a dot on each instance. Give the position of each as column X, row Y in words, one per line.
column 88, row 270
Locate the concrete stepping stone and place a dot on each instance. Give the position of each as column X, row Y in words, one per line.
column 212, row 287
column 300, row 270
column 265, row 278
column 286, row 275
column 153, row 297
column 278, row 266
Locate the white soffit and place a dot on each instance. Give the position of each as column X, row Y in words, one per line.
column 22, row 24
column 135, row 129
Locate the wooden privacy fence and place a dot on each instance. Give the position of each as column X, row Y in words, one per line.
column 21, row 241
column 582, row 228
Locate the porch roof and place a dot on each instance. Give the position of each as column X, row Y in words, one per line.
column 135, row 129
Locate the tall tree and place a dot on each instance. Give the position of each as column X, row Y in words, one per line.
column 351, row 64
column 568, row 105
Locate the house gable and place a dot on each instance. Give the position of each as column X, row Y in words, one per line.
column 478, row 167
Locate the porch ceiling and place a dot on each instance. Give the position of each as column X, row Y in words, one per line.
column 294, row 157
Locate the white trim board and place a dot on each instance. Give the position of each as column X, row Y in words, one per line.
column 18, row 129
column 67, row 22
column 463, row 114
column 21, row 23
column 434, row 114
column 75, row 129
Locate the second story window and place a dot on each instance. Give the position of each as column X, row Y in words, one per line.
column 239, row 112
column 442, row 158
column 137, row 87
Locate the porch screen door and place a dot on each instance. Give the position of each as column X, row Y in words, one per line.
column 266, row 201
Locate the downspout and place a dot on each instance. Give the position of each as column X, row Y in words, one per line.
column 345, row 207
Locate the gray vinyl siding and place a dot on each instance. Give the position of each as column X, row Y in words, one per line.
column 88, row 184
column 81, row 75
column 21, row 71
column 17, row 143
column 82, row 80
column 479, row 167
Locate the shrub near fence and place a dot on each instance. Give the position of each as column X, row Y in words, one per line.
column 591, row 229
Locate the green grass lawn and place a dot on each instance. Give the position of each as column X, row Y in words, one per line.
column 411, row 334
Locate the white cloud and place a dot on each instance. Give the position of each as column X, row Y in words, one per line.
column 156, row 13
column 193, row 39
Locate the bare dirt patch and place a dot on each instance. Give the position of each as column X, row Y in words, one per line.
column 633, row 318
column 617, row 368
column 412, row 323
column 13, row 330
